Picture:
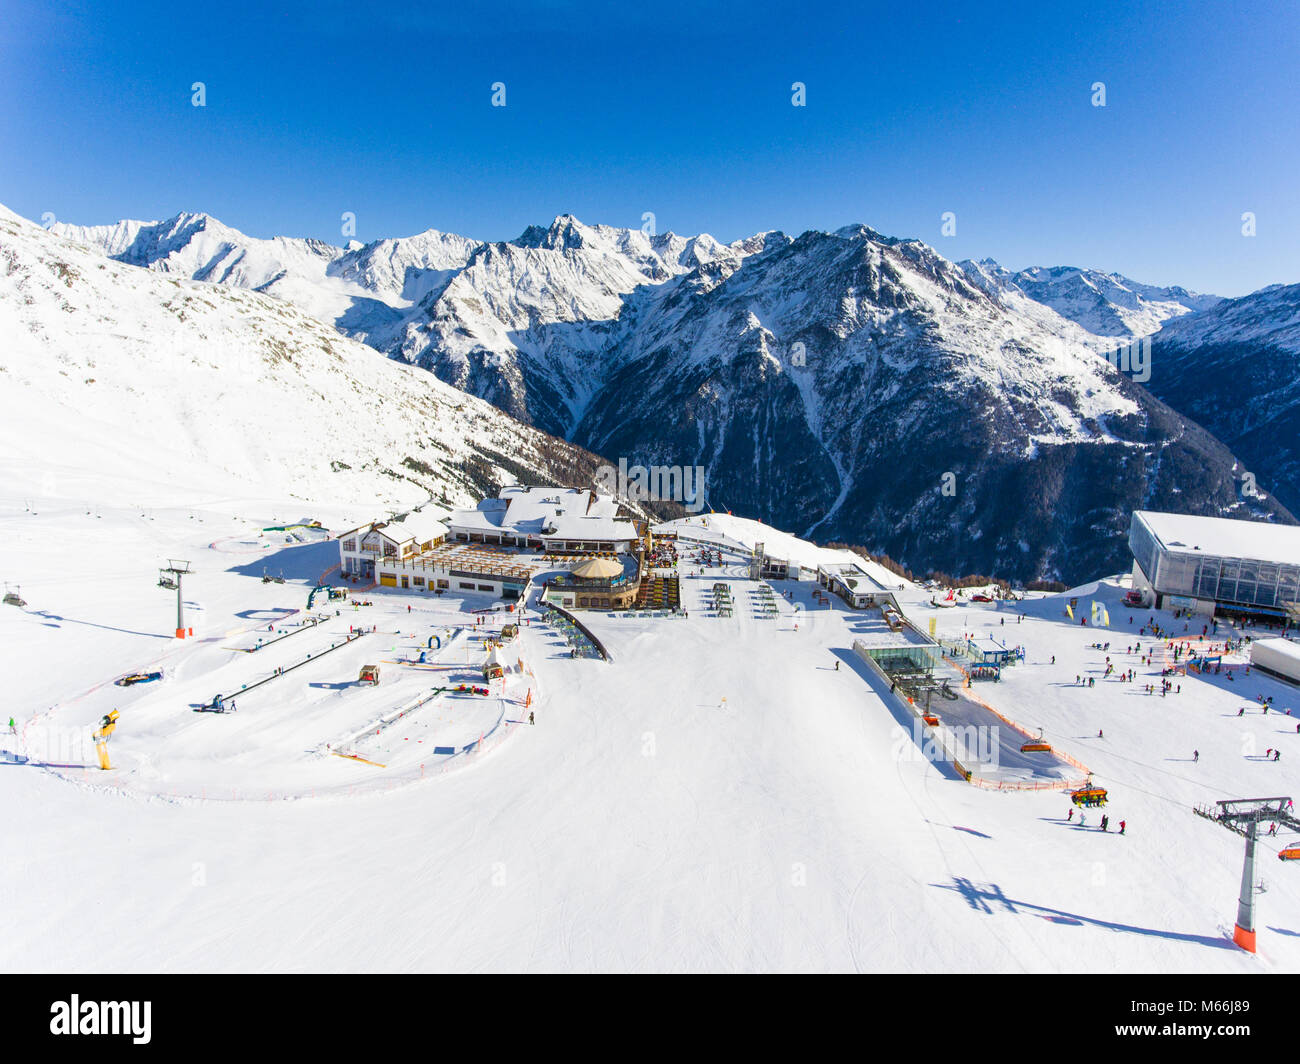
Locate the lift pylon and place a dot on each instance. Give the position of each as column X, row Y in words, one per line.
column 1243, row 816
column 170, row 577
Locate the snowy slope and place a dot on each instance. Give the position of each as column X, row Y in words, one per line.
column 165, row 377
column 720, row 798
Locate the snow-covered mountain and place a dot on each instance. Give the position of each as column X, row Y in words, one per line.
column 1104, row 304
column 530, row 324
column 913, row 380
column 1236, row 370
column 363, row 289
column 848, row 385
column 126, row 380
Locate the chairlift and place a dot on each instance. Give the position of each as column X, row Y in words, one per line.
column 1089, row 796
column 1291, row 853
column 13, row 598
column 1039, row 745
column 166, row 580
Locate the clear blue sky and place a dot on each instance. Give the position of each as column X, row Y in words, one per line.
column 615, row 109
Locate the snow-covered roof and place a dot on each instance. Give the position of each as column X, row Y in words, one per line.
column 598, row 569
column 421, row 526
column 590, row 528
column 1222, row 536
column 1278, row 645
column 563, row 513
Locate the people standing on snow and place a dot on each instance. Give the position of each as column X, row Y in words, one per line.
column 1070, row 816
column 1122, row 825
column 1196, row 756
column 13, row 729
column 1105, row 823
column 530, row 719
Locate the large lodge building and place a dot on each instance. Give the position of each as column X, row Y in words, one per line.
column 493, row 547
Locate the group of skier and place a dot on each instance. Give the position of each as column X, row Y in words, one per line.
column 1105, row 821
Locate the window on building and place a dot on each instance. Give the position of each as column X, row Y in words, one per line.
column 486, row 587
column 419, row 581
column 349, row 544
column 466, row 586
column 444, row 584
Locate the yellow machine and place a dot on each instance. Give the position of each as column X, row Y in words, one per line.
column 101, row 735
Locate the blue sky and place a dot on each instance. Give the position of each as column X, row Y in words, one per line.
column 683, row 110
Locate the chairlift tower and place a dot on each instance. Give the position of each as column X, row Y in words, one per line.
column 170, row 577
column 1243, row 816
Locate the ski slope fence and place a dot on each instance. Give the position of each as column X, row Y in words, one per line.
column 1027, row 785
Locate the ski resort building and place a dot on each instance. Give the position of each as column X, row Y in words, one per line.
column 551, row 519
column 854, row 585
column 599, row 583
column 1279, row 658
column 1206, row 564
column 458, row 568
column 395, row 540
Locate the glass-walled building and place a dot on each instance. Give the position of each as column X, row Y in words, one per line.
column 1208, row 563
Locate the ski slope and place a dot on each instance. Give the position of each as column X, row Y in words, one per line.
column 719, row 798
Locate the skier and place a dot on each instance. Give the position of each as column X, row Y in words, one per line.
column 13, row 729
column 232, row 705
column 1122, row 825
column 1277, row 754
column 1070, row 816
column 1105, row 823
column 837, row 665
column 1241, row 711
column 1196, row 756
column 1053, row 659
column 530, row 719
column 1099, row 735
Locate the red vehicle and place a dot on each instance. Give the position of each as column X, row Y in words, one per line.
column 981, row 598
